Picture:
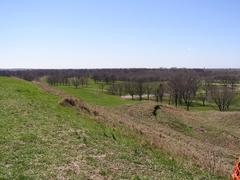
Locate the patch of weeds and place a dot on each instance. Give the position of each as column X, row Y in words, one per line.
column 105, row 134
column 29, row 138
column 174, row 123
column 23, row 177
column 104, row 172
column 85, row 140
column 136, row 178
column 138, row 152
column 114, row 137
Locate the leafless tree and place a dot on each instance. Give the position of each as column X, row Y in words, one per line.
column 116, row 88
column 148, row 87
column 139, row 89
column 205, row 85
column 222, row 96
column 174, row 84
column 183, row 87
column 130, row 88
column 75, row 82
column 202, row 97
column 159, row 92
column 190, row 87
column 102, row 85
column 84, row 80
column 120, row 88
column 232, row 80
column 111, row 89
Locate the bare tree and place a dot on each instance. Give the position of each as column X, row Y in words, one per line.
column 183, row 87
column 102, row 85
column 112, row 89
column 174, row 84
column 130, row 88
column 159, row 92
column 205, row 87
column 190, row 87
column 148, row 89
column 116, row 88
column 139, row 89
column 75, row 82
column 229, row 80
column 232, row 80
column 222, row 96
column 84, row 80
column 202, row 96
column 120, row 88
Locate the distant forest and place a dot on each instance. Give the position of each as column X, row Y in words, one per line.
column 132, row 74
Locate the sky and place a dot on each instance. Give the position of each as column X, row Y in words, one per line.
column 119, row 33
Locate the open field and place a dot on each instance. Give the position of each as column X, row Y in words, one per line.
column 94, row 95
column 41, row 139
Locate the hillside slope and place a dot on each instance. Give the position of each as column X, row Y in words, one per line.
column 207, row 138
column 41, row 139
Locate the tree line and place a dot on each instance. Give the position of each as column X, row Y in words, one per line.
column 109, row 75
column 181, row 89
column 179, row 86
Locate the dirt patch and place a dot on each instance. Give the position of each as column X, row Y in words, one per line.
column 156, row 108
column 45, row 87
column 68, row 102
column 74, row 102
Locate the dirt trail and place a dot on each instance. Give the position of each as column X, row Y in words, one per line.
column 45, row 87
column 139, row 118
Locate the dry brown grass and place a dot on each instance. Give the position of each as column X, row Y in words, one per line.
column 74, row 102
column 213, row 142
column 207, row 145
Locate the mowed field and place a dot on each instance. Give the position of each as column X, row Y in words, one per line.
column 39, row 138
column 94, row 95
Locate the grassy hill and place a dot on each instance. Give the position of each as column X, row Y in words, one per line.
column 41, row 139
column 204, row 135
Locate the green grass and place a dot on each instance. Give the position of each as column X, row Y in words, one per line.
column 236, row 103
column 209, row 105
column 93, row 95
column 39, row 139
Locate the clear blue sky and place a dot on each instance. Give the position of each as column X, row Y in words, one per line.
column 119, row 33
